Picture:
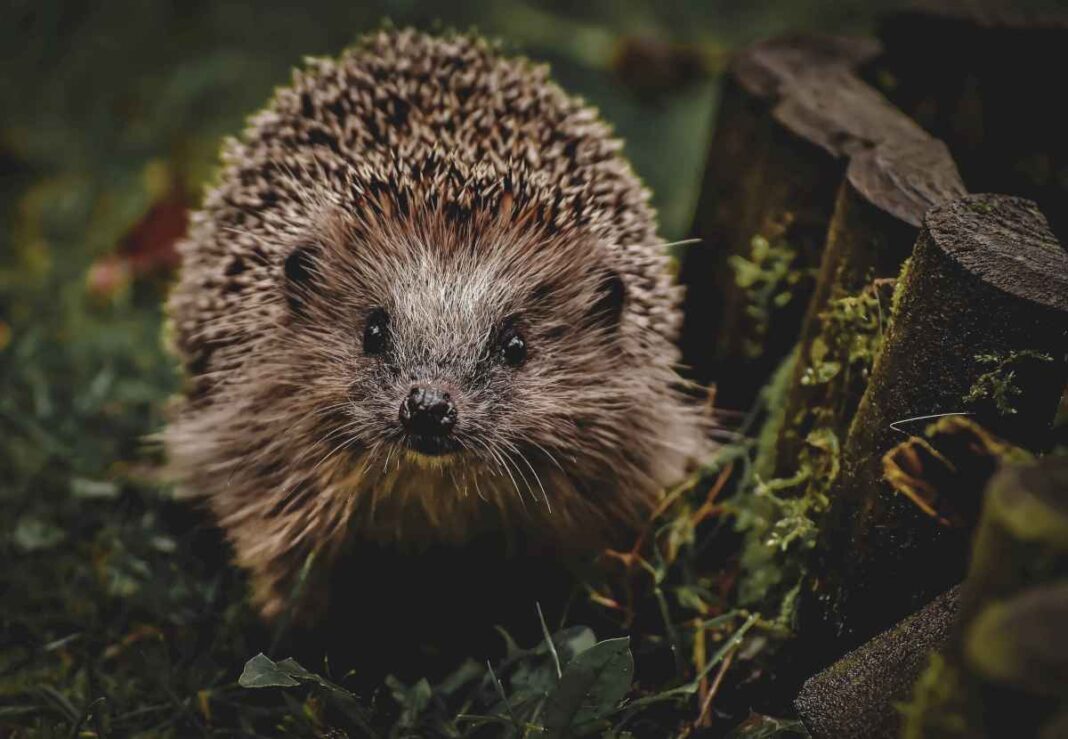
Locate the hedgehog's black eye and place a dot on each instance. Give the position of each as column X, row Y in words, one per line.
column 513, row 347
column 376, row 332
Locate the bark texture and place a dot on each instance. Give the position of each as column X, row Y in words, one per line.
column 794, row 115
column 980, row 327
column 857, row 695
column 877, row 216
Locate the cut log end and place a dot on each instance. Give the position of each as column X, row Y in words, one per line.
column 857, row 695
column 906, row 177
column 1006, row 242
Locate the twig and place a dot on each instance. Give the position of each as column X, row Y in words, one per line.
column 727, row 648
column 703, row 718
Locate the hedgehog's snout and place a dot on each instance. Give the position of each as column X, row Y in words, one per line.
column 428, row 415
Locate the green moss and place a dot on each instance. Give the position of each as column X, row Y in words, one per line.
column 773, row 398
column 937, row 708
column 998, row 385
column 767, row 278
column 780, row 519
column 780, row 515
column 851, row 331
column 899, row 287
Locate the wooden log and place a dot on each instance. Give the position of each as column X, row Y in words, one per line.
column 1005, row 671
column 877, row 216
column 793, row 115
column 980, row 327
column 978, row 76
column 1022, row 539
column 858, row 695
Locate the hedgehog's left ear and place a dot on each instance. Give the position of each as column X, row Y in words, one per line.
column 607, row 310
column 301, row 273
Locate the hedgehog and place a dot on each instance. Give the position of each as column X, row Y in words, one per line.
column 425, row 298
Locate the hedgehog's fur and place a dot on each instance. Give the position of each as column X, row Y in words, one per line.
column 456, row 188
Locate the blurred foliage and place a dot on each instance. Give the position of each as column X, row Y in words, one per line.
column 119, row 615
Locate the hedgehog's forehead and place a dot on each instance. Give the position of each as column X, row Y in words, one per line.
column 446, row 295
column 447, row 286
column 490, row 269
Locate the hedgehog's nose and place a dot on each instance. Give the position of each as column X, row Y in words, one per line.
column 428, row 411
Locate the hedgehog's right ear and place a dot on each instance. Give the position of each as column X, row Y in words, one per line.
column 301, row 273
column 607, row 309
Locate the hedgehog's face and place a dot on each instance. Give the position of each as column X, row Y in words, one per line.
column 452, row 356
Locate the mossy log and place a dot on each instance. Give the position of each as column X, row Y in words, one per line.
column 793, row 114
column 980, row 326
column 1005, row 671
column 857, row 695
column 977, row 75
column 1022, row 538
column 876, row 219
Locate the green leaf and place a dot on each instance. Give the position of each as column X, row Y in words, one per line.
column 36, row 534
column 573, row 641
column 262, row 672
column 591, row 687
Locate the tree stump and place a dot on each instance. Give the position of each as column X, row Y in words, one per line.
column 793, row 115
column 877, row 216
column 1005, row 672
column 978, row 77
column 857, row 695
column 980, row 327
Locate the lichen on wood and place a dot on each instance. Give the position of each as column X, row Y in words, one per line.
column 998, row 384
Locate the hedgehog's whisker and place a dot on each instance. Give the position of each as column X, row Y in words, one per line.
column 549, row 455
column 512, row 453
column 498, row 455
column 389, row 454
column 516, row 452
column 330, row 436
column 537, row 477
column 727, row 434
column 665, row 244
column 344, row 442
column 486, row 458
column 508, row 463
column 478, row 489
